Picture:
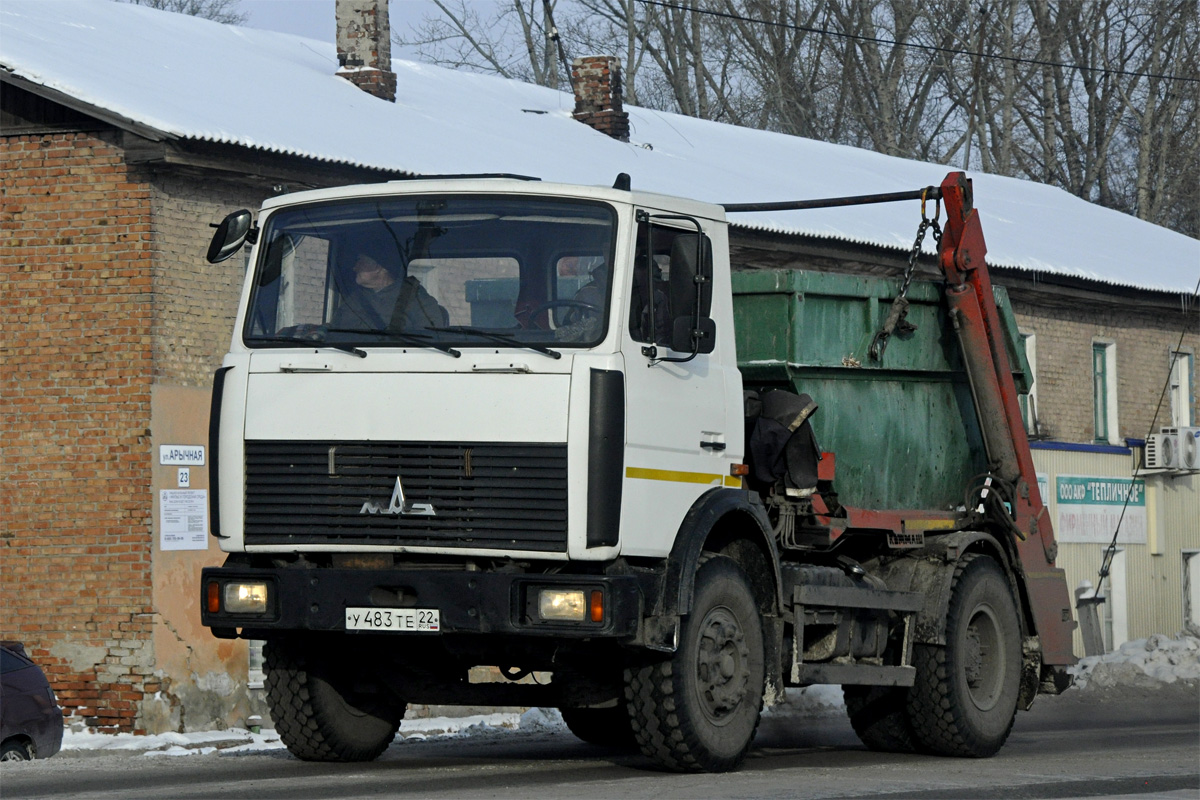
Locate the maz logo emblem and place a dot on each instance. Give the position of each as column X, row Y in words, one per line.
column 399, row 505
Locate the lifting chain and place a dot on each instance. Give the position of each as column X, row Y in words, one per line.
column 896, row 318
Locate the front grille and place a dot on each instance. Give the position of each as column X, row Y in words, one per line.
column 494, row 496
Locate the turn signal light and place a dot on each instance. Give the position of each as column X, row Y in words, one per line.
column 739, row 470
column 596, row 607
column 213, row 597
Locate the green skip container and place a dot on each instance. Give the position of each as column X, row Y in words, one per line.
column 904, row 429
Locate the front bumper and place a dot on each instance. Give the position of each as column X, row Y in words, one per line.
column 468, row 602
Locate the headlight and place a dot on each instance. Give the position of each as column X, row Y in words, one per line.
column 564, row 604
column 246, row 598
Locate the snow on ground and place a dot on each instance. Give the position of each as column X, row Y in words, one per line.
column 1141, row 664
column 171, row 744
column 809, row 702
column 240, row 740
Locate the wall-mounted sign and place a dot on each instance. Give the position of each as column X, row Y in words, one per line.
column 1090, row 509
column 181, row 455
column 183, row 519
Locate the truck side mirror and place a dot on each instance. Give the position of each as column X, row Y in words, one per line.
column 232, row 233
column 692, row 330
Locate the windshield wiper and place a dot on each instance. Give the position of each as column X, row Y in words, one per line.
column 314, row 343
column 499, row 338
column 410, row 338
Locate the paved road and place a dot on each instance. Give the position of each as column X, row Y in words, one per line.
column 1147, row 745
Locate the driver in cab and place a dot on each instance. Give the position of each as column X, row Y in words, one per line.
column 385, row 297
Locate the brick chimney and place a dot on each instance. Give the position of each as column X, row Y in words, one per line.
column 364, row 46
column 599, row 100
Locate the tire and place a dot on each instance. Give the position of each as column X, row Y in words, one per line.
column 965, row 696
column 16, row 751
column 316, row 713
column 699, row 710
column 879, row 715
column 603, row 727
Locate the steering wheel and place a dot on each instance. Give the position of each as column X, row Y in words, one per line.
column 573, row 304
column 315, row 333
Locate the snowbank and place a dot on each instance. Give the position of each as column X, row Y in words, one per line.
column 1142, row 663
column 171, row 744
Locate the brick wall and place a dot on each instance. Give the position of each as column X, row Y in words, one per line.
column 364, row 46
column 1143, row 340
column 599, row 95
column 195, row 302
column 77, row 369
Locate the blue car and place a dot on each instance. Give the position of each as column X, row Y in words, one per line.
column 31, row 723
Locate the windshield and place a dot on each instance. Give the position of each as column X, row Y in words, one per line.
column 434, row 271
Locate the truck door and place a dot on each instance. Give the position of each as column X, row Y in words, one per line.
column 676, row 428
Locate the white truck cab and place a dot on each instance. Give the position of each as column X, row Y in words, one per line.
column 511, row 358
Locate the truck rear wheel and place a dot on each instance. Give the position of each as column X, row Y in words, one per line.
column 317, row 712
column 603, row 727
column 965, row 696
column 879, row 715
column 698, row 711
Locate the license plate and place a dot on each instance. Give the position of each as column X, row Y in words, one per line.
column 419, row 620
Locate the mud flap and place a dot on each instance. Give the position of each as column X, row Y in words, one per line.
column 773, row 650
column 1031, row 671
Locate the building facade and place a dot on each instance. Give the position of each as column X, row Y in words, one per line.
column 1113, row 368
column 115, row 322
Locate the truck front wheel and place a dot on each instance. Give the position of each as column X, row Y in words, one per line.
column 965, row 696
column 698, row 711
column 318, row 711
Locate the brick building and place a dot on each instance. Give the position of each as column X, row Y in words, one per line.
column 114, row 321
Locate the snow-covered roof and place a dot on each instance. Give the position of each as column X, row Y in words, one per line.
column 193, row 79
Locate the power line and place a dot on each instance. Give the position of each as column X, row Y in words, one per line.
column 914, row 45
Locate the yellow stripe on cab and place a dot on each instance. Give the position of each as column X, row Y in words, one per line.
column 677, row 476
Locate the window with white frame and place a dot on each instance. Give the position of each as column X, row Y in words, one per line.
column 1191, row 587
column 1029, row 406
column 1183, row 378
column 1104, row 392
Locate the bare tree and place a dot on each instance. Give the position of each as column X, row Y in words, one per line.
column 517, row 39
column 1116, row 124
column 783, row 68
column 1101, row 98
column 1160, row 117
column 226, row 11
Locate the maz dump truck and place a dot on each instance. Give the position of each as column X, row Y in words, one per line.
column 543, row 429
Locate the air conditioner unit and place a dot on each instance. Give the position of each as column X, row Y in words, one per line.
column 1162, row 451
column 1187, row 448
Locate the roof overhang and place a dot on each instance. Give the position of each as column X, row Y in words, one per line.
column 75, row 104
column 757, row 249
